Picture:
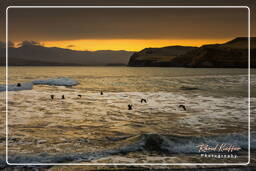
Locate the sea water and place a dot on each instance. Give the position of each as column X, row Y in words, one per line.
column 100, row 128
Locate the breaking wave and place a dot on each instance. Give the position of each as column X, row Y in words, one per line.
column 14, row 87
column 62, row 81
column 167, row 144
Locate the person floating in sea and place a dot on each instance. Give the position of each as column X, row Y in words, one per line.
column 143, row 100
column 183, row 107
column 79, row 95
column 52, row 96
column 63, row 97
column 101, row 92
column 18, row 84
column 130, row 107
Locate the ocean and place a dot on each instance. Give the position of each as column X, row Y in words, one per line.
column 97, row 128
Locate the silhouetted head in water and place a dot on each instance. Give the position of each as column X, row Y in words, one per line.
column 18, row 84
column 52, row 96
column 63, row 97
column 183, row 107
column 143, row 100
column 101, row 93
column 129, row 107
column 79, row 95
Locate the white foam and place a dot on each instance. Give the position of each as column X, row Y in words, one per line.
column 14, row 87
column 201, row 111
column 62, row 81
column 29, row 85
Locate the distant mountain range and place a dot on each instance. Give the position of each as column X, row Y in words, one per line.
column 36, row 55
column 233, row 53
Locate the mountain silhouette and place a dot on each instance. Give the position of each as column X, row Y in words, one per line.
column 232, row 54
column 38, row 55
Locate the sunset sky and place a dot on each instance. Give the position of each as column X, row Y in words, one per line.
column 127, row 44
column 125, row 29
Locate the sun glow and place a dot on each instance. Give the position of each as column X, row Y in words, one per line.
column 127, row 44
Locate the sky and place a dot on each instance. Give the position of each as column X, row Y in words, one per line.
column 125, row 29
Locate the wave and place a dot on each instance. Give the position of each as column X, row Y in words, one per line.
column 189, row 144
column 62, row 81
column 16, row 87
column 188, row 88
column 162, row 144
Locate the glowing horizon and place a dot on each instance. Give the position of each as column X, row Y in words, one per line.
column 126, row 44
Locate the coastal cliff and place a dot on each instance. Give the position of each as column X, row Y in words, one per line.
column 232, row 54
column 158, row 56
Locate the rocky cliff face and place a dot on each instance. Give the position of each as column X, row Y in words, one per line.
column 157, row 56
column 215, row 56
column 231, row 54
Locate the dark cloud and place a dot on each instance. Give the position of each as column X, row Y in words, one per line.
column 3, row 44
column 29, row 43
column 70, row 46
column 10, row 44
column 68, row 24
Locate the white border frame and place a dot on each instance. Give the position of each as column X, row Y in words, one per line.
column 132, row 164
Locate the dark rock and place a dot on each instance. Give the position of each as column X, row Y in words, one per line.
column 153, row 142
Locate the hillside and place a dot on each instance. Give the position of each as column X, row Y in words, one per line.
column 232, row 54
column 36, row 55
column 157, row 56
